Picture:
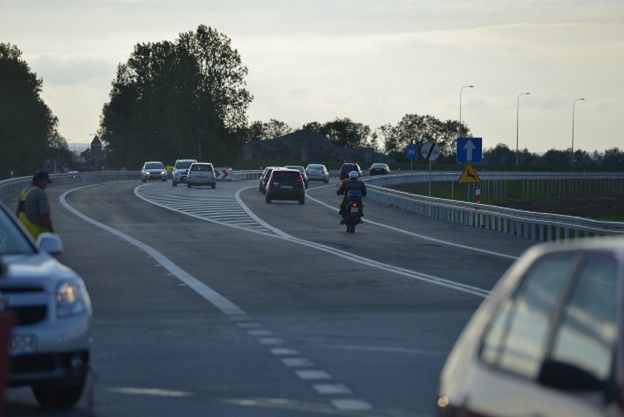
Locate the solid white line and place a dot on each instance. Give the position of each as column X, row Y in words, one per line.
column 270, row 341
column 421, row 236
column 210, row 295
column 283, row 352
column 260, row 332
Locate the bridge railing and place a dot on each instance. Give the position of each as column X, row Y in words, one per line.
column 527, row 224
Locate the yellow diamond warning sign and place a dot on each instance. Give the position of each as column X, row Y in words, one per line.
column 469, row 176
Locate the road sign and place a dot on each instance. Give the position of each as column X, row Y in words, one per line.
column 469, row 176
column 430, row 151
column 412, row 151
column 469, row 150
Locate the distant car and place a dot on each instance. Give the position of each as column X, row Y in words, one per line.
column 50, row 342
column 379, row 168
column 285, row 184
column 180, row 170
column 153, row 170
column 348, row 167
column 264, row 178
column 547, row 342
column 303, row 173
column 317, row 172
column 201, row 173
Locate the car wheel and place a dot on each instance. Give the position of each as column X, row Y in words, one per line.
column 58, row 394
column 268, row 200
column 143, row 180
column 175, row 184
column 326, row 181
column 214, row 186
column 302, row 201
column 188, row 185
column 164, row 179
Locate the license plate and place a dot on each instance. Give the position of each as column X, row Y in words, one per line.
column 354, row 210
column 22, row 344
column 286, row 187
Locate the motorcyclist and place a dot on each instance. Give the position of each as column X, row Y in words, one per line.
column 351, row 185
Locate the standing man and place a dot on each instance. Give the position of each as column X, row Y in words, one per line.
column 34, row 206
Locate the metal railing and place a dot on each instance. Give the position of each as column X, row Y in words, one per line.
column 526, row 224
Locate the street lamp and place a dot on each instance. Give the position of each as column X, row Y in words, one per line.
column 460, row 100
column 518, row 122
column 573, row 104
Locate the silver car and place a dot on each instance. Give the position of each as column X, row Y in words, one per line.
column 201, row 173
column 180, row 170
column 153, row 170
column 51, row 307
column 317, row 172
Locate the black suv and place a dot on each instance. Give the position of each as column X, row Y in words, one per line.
column 285, row 184
column 348, row 167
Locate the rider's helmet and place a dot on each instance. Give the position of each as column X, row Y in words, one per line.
column 353, row 175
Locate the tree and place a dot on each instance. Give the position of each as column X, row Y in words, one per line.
column 343, row 132
column 499, row 157
column 269, row 130
column 185, row 98
column 418, row 129
column 27, row 126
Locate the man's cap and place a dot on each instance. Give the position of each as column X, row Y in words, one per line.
column 41, row 175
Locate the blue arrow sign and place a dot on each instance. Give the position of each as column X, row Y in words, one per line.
column 411, row 151
column 469, row 150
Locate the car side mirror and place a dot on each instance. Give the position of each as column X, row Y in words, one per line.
column 566, row 376
column 50, row 243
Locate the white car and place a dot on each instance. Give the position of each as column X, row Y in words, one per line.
column 49, row 347
column 201, row 173
column 317, row 172
column 180, row 171
column 153, row 170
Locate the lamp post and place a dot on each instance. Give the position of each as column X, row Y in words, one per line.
column 460, row 101
column 573, row 107
column 518, row 122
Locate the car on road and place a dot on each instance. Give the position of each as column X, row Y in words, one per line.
column 180, row 170
column 264, row 178
column 303, row 173
column 285, row 184
column 348, row 167
column 317, row 172
column 548, row 341
column 153, row 170
column 201, row 173
column 50, row 342
column 379, row 168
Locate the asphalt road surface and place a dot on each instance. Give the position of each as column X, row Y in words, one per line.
column 214, row 303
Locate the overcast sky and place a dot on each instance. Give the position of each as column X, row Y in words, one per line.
column 372, row 61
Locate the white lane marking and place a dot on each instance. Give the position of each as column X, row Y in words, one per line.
column 260, row 332
column 270, row 341
column 247, row 325
column 152, row 392
column 210, row 295
column 283, row 352
column 312, row 375
column 297, row 362
column 351, row 404
column 421, row 236
column 480, row 292
column 390, row 350
column 331, row 389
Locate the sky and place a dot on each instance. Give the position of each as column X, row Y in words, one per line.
column 372, row 61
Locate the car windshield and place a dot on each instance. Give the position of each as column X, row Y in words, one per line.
column 183, row 164
column 378, row 166
column 154, row 165
column 315, row 167
column 12, row 241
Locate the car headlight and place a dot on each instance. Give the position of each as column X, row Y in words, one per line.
column 71, row 300
column 163, row 172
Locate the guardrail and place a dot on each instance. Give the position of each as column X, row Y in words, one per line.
column 9, row 189
column 526, row 224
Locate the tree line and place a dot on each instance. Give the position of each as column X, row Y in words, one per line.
column 187, row 98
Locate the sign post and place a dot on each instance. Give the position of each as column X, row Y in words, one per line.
column 430, row 152
column 411, row 153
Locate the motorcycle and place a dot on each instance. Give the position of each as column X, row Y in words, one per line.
column 353, row 216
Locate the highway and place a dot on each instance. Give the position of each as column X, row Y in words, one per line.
column 214, row 303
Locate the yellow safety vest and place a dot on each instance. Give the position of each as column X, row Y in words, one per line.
column 34, row 229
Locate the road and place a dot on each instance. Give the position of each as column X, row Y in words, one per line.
column 212, row 302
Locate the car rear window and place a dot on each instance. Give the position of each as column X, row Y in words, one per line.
column 154, row 165
column 202, row 167
column 287, row 176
